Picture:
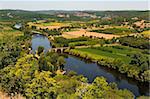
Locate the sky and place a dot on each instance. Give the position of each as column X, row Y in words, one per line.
column 101, row 5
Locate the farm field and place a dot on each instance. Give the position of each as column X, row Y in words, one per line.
column 146, row 34
column 112, row 52
column 75, row 34
column 49, row 25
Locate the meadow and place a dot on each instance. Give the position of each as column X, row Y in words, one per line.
column 121, row 52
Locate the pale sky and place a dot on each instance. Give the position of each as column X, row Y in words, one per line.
column 75, row 4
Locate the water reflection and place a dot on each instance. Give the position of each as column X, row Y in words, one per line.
column 40, row 40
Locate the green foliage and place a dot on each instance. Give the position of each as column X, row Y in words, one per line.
column 40, row 50
column 60, row 62
column 11, row 46
column 52, row 32
column 140, row 60
column 119, row 31
column 33, row 27
column 25, row 78
column 41, row 86
column 63, row 42
column 45, row 64
column 60, row 41
column 136, row 42
column 13, row 79
column 100, row 89
column 51, row 62
column 146, row 75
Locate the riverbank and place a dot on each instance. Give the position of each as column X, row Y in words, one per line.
column 92, row 70
column 114, row 63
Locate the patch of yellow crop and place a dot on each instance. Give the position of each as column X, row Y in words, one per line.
column 146, row 34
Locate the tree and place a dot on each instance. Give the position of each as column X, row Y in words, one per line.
column 40, row 50
column 133, row 72
column 33, row 27
column 27, row 32
column 14, row 78
column 41, row 86
column 146, row 75
column 141, row 61
column 60, row 62
column 45, row 64
column 54, row 58
column 94, row 90
column 113, row 85
column 124, row 68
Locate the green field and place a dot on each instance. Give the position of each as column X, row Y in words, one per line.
column 113, row 52
column 84, row 43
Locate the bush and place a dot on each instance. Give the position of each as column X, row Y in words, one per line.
column 40, row 50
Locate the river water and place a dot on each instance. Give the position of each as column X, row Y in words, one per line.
column 93, row 70
column 40, row 40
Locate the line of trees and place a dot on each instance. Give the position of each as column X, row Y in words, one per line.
column 136, row 42
column 63, row 42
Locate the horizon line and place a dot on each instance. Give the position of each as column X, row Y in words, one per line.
column 78, row 9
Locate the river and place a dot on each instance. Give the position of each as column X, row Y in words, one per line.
column 93, row 70
column 40, row 40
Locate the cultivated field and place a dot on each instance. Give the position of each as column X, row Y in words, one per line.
column 49, row 25
column 79, row 33
column 112, row 52
column 146, row 34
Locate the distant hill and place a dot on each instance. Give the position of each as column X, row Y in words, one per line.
column 21, row 14
column 30, row 15
column 126, row 14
